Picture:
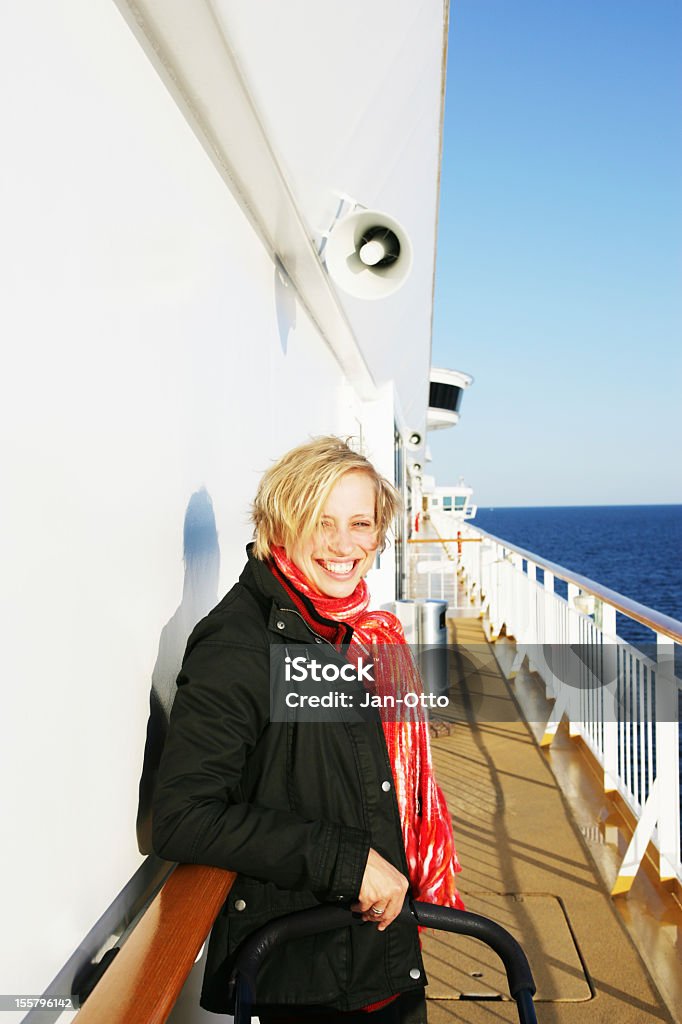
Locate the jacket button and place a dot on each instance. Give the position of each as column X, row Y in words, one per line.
column 415, row 973
column 317, row 640
column 280, row 624
column 240, row 905
column 386, row 785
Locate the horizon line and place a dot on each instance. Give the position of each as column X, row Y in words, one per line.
column 652, row 504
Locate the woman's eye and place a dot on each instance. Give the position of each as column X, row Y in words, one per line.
column 360, row 524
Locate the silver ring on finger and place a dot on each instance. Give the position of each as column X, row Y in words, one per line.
column 377, row 911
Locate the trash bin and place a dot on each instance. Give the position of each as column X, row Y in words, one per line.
column 432, row 637
column 406, row 612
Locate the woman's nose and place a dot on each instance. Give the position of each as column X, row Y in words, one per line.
column 341, row 541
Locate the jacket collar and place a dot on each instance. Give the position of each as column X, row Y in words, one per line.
column 282, row 617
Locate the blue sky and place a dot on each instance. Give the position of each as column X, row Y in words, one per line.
column 559, row 284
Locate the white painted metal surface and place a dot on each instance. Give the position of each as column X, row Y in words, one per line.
column 197, row 65
column 155, row 350
column 350, row 95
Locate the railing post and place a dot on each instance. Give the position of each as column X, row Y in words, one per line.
column 606, row 614
column 573, row 628
column 667, row 759
column 549, row 604
column 519, row 602
column 554, row 686
column 482, row 594
column 489, row 581
column 502, row 566
column 533, row 600
column 532, row 606
column 575, row 711
column 517, row 625
column 549, row 621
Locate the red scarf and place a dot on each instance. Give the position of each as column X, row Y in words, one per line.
column 426, row 826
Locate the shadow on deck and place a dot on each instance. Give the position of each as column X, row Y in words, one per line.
column 525, row 864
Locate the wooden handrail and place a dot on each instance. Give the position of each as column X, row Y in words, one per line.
column 444, row 540
column 145, row 978
column 439, row 540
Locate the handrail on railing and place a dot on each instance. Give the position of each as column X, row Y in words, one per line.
column 657, row 621
column 145, row 978
column 444, row 540
column 435, row 540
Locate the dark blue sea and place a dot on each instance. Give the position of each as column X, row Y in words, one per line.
column 635, row 550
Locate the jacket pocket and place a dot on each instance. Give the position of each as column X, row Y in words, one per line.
column 314, row 969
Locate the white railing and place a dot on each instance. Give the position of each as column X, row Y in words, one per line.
column 434, row 576
column 434, row 561
column 622, row 701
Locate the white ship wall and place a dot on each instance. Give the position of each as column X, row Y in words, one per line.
column 152, row 350
column 366, row 81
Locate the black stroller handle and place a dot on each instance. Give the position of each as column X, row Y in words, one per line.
column 328, row 917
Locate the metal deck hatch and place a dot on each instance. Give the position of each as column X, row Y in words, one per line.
column 462, row 968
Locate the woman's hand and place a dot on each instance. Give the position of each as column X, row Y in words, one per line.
column 383, row 888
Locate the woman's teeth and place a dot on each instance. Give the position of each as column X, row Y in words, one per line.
column 339, row 568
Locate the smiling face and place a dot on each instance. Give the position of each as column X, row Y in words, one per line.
column 342, row 549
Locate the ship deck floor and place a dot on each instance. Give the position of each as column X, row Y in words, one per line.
column 526, row 864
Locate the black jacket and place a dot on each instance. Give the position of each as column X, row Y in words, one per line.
column 292, row 807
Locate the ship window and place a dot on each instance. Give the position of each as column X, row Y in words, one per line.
column 445, row 396
column 434, row 501
column 447, row 502
column 460, row 501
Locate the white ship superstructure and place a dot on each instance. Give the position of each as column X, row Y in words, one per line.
column 171, row 173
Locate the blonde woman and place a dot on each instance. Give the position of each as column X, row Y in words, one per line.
column 307, row 812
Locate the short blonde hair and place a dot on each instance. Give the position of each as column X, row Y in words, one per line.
column 292, row 493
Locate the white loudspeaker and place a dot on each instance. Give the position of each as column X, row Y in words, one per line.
column 368, row 254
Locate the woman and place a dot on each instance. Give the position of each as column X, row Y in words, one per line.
column 307, row 812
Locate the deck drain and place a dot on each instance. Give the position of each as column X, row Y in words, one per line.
column 459, row 967
column 481, row 997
